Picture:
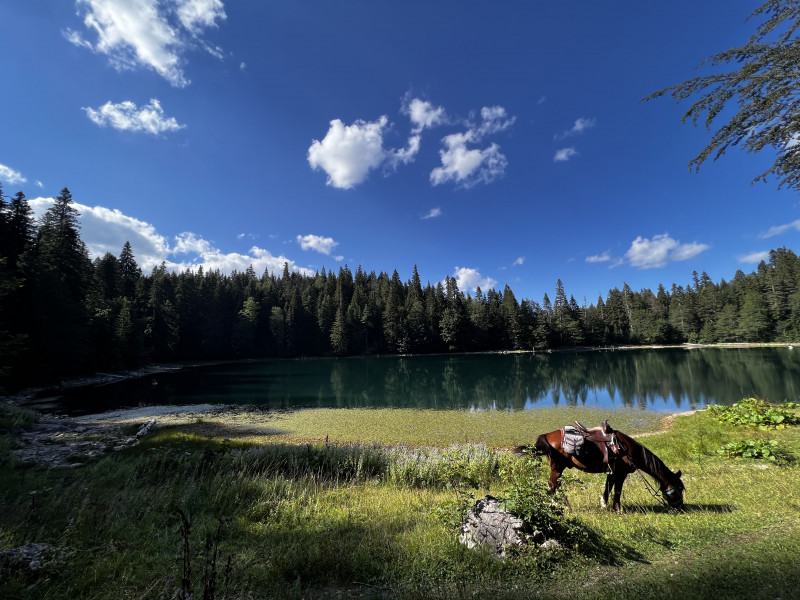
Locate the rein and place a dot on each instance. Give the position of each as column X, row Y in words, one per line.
column 655, row 493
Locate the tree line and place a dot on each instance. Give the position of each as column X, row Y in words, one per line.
column 63, row 314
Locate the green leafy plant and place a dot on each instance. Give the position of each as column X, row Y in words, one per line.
column 756, row 449
column 757, row 413
column 528, row 497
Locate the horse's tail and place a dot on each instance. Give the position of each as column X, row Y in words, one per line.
column 541, row 448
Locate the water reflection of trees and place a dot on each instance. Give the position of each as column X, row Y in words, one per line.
column 651, row 379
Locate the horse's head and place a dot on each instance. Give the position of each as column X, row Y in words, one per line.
column 673, row 492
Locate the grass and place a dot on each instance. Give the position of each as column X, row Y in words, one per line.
column 497, row 429
column 372, row 514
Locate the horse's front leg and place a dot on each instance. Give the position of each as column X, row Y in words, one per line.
column 607, row 490
column 619, row 480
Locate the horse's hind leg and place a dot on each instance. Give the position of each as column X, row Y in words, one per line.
column 555, row 479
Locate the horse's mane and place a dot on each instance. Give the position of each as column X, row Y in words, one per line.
column 645, row 460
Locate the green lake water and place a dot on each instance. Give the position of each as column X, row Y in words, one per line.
column 656, row 380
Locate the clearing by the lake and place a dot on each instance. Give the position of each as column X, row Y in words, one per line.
column 241, row 503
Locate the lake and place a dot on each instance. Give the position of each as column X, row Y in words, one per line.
column 666, row 380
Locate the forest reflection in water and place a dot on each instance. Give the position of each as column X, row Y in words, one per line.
column 655, row 379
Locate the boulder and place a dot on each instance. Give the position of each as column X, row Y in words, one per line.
column 490, row 526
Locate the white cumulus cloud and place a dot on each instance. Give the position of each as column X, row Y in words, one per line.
column 348, row 153
column 11, row 176
column 470, row 279
column 197, row 15
column 423, row 114
column 153, row 34
column 126, row 116
column 657, row 252
column 106, row 230
column 469, row 166
column 324, row 245
column 432, row 214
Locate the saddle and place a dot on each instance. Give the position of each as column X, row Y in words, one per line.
column 603, row 437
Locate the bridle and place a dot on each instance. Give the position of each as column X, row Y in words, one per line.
column 659, row 494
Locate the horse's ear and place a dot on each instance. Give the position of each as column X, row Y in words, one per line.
column 678, row 473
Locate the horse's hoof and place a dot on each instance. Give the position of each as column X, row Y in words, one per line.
column 603, row 503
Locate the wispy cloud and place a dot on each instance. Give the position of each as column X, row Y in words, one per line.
column 126, row 116
column 599, row 258
column 780, row 229
column 753, row 257
column 519, row 261
column 581, row 124
column 11, row 176
column 469, row 166
column 432, row 213
column 323, row 245
column 152, row 34
column 106, row 230
column 564, row 154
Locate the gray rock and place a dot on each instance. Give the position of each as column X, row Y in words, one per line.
column 488, row 525
column 63, row 442
column 31, row 559
column 551, row 545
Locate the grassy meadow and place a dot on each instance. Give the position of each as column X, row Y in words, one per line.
column 367, row 504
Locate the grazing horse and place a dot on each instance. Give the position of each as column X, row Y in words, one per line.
column 608, row 451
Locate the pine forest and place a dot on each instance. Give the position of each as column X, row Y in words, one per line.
column 63, row 314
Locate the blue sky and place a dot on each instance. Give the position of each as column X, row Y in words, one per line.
column 495, row 142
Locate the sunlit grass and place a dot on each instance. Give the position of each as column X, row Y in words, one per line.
column 496, row 429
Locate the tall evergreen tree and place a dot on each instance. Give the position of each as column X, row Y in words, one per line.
column 62, row 271
column 129, row 271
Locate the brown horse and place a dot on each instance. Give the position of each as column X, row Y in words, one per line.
column 623, row 456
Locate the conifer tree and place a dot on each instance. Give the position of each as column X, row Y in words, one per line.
column 762, row 89
column 61, row 271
